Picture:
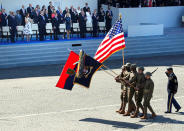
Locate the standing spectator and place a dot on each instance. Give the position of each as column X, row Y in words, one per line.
column 68, row 25
column 58, row 10
column 30, row 10
column 28, row 30
column 46, row 15
column 23, row 14
column 0, row 18
column 89, row 17
column 82, row 24
column 95, row 18
column 41, row 25
column 55, row 25
column 43, row 8
column 18, row 18
column 78, row 10
column 75, row 16
column 12, row 24
column 4, row 18
column 65, row 11
column 38, row 8
column 60, row 17
column 86, row 8
column 101, row 15
column 108, row 18
column 50, row 9
column 35, row 15
column 72, row 13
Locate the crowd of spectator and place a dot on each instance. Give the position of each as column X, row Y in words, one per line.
column 55, row 15
column 142, row 3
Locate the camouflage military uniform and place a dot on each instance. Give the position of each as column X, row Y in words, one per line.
column 140, row 82
column 131, row 90
column 148, row 92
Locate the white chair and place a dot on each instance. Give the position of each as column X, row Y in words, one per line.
column 6, row 32
column 182, row 19
column 89, row 28
column 49, row 29
column 62, row 28
column 20, row 31
column 76, row 29
column 102, row 27
column 35, row 30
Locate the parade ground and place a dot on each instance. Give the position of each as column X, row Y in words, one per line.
column 29, row 100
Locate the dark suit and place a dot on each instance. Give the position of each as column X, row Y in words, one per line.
column 101, row 16
column 95, row 25
column 35, row 17
column 60, row 18
column 3, row 19
column 30, row 11
column 86, row 9
column 49, row 11
column 23, row 14
column 12, row 23
column 55, row 25
column 46, row 18
column 108, row 18
column 42, row 27
column 82, row 25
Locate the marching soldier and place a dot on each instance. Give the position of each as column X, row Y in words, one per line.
column 123, row 92
column 172, row 90
column 140, row 82
column 148, row 92
column 131, row 90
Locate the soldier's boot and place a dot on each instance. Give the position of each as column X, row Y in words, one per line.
column 123, row 108
column 145, row 114
column 129, row 110
column 135, row 115
column 151, row 110
column 118, row 111
column 142, row 108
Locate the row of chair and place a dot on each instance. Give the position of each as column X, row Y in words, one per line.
column 5, row 30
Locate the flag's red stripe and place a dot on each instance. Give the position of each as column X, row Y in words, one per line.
column 111, row 46
column 114, row 39
column 112, row 51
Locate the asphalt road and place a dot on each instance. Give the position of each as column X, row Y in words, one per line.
column 29, row 100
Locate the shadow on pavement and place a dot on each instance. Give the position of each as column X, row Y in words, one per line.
column 162, row 119
column 116, row 124
column 55, row 70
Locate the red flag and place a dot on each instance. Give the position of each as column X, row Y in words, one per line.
column 68, row 73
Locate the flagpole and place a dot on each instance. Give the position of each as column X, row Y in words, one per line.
column 123, row 53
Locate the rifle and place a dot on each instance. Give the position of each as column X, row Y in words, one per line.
column 128, row 83
column 154, row 71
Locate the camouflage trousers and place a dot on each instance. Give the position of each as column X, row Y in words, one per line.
column 124, row 95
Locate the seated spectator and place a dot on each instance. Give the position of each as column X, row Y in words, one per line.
column 68, row 24
column 18, row 18
column 101, row 15
column 86, row 8
column 75, row 19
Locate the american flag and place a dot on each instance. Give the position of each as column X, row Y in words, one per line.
column 113, row 42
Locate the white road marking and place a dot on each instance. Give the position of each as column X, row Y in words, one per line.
column 80, row 109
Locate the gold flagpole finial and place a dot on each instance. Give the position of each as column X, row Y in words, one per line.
column 120, row 16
